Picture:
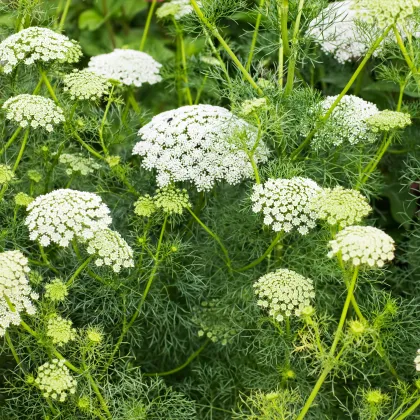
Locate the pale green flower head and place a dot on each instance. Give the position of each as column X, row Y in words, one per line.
column 172, row 200
column 77, row 163
column 22, row 199
column 388, row 120
column 60, row 330
column 145, row 206
column 6, row 174
column 94, row 335
column 34, row 175
column 175, row 8
column 56, row 291
column 86, row 85
column 385, row 12
column 113, row 161
column 253, row 105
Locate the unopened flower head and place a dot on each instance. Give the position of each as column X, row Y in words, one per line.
column 286, row 203
column 111, row 250
column 284, row 293
column 34, row 45
column 145, row 206
column 375, row 396
column 340, row 206
column 94, row 335
column 56, row 291
column 172, row 200
column 198, row 144
column 55, row 381
column 253, row 105
column 60, row 330
column 77, row 163
column 128, row 67
column 16, row 294
column 86, row 85
column 417, row 361
column 346, row 123
column 22, row 199
column 388, row 120
column 176, row 8
column 33, row 111
column 363, row 245
column 34, row 175
column 113, row 161
column 385, row 12
column 61, row 215
column 6, row 174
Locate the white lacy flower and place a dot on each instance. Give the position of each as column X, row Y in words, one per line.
column 363, row 245
column 62, row 215
column 16, row 294
column 340, row 206
column 60, row 330
column 84, row 84
column 199, row 144
column 55, row 381
column 176, row 8
column 286, row 203
column 417, row 361
column 284, row 293
column 33, row 111
column 111, row 250
column 78, row 163
column 37, row 44
column 346, row 123
column 129, row 67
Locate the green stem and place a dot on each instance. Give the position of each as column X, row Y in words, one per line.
column 183, row 61
column 214, row 31
column 12, row 348
column 48, row 85
column 200, row 90
column 404, row 51
column 90, row 149
column 64, row 15
column 21, row 151
column 147, row 25
column 263, row 256
column 284, row 12
column 255, row 36
column 184, row 365
column 101, row 128
column 11, row 140
column 78, row 271
column 409, row 410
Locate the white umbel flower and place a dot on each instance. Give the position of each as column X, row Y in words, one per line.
column 16, row 294
column 60, row 330
column 55, row 381
column 198, row 144
column 111, row 250
column 363, row 245
column 346, row 123
column 417, row 361
column 286, row 203
column 61, row 215
column 86, row 85
column 34, row 45
column 340, row 206
column 284, row 293
column 130, row 67
column 176, row 8
column 33, row 111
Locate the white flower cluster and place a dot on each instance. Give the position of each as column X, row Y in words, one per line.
column 55, row 381
column 86, row 85
column 60, row 330
column 172, row 200
column 176, row 8
column 15, row 291
column 417, row 361
column 37, row 44
column 363, row 245
column 346, row 123
column 336, row 32
column 340, row 206
column 64, row 214
column 34, row 111
column 111, row 249
column 198, row 144
column 284, row 293
column 129, row 67
column 286, row 203
column 78, row 163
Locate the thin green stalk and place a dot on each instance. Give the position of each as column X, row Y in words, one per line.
column 11, row 140
column 349, row 84
column 284, row 14
column 333, row 348
column 48, row 85
column 184, row 365
column 255, row 36
column 404, row 51
column 147, row 25
column 200, row 90
column 12, row 348
column 78, row 271
column 214, row 236
column 409, row 410
column 64, row 15
column 90, row 149
column 143, row 298
column 133, row 102
column 254, row 167
column 101, row 128
column 214, row 31
column 45, row 259
column 108, row 24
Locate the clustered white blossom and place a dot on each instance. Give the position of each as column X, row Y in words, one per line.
column 340, row 206
column 34, row 111
column 55, row 381
column 111, row 250
column 198, row 143
column 385, row 12
column 6, row 174
column 86, row 85
column 346, row 123
column 60, row 330
column 388, row 120
column 78, row 163
column 176, row 8
column 417, row 361
column 15, row 291
column 172, row 200
column 363, row 245
column 130, row 67
column 286, row 203
column 35, row 44
column 64, row 214
column 284, row 293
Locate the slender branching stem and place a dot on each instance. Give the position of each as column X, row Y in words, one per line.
column 71, row 280
column 147, row 25
column 48, row 85
column 409, row 410
column 11, row 140
column 284, row 15
column 64, row 16
column 103, row 122
column 12, row 348
column 255, row 36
